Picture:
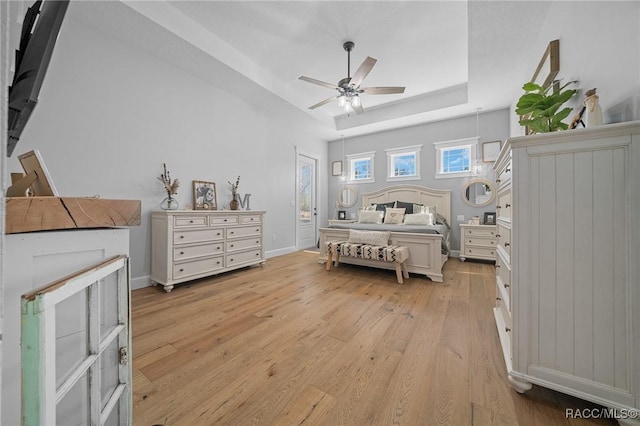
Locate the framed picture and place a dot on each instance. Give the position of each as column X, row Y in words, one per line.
column 204, row 195
column 490, row 151
column 336, row 168
column 342, row 215
column 489, row 218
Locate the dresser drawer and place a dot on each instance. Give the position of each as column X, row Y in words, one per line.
column 236, row 245
column 480, row 231
column 254, row 218
column 504, row 174
column 480, row 242
column 504, row 311
column 503, row 277
column 503, row 206
column 479, row 252
column 182, row 221
column 244, row 231
column 504, row 239
column 196, row 236
column 223, row 220
column 195, row 267
column 243, row 257
column 190, row 252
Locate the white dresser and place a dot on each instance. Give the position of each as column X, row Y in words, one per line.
column 190, row 244
column 477, row 242
column 568, row 272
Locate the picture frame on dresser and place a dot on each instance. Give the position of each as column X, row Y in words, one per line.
column 204, row 195
column 489, row 218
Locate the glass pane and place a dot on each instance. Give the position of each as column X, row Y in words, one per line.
column 455, row 160
column 404, row 165
column 108, row 304
column 109, row 371
column 73, row 409
column 361, row 169
column 304, row 192
column 71, row 334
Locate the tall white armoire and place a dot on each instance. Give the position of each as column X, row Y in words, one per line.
column 568, row 266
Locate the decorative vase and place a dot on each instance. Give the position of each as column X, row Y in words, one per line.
column 169, row 203
column 234, row 204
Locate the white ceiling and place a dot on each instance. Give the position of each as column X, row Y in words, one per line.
column 453, row 56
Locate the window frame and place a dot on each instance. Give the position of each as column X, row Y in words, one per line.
column 440, row 147
column 395, row 152
column 370, row 156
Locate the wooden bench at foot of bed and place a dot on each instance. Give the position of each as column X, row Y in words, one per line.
column 397, row 255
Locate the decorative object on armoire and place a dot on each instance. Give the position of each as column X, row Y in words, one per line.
column 234, row 204
column 593, row 110
column 204, row 195
column 538, row 107
column 171, row 187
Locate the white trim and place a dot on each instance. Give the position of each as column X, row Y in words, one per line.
column 371, row 156
column 392, row 152
column 472, row 143
column 280, row 252
column 316, row 199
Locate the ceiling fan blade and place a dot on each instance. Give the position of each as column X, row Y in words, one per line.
column 382, row 90
column 318, row 82
column 362, row 71
column 319, row 104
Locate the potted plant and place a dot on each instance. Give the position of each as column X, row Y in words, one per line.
column 538, row 107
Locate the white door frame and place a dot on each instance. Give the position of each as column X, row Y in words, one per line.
column 316, row 158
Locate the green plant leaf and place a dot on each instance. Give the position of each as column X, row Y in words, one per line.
column 531, row 86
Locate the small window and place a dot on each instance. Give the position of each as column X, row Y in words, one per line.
column 455, row 158
column 361, row 167
column 403, row 163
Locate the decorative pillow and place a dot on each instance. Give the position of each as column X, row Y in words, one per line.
column 419, row 208
column 371, row 207
column 383, row 206
column 370, row 216
column 393, row 215
column 374, row 238
column 418, row 219
column 441, row 220
column 407, row 206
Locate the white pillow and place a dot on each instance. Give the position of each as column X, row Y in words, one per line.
column 418, row 219
column 374, row 238
column 394, row 215
column 419, row 208
column 370, row 216
column 370, row 207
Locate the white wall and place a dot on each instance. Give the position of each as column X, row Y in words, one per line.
column 491, row 126
column 110, row 114
column 599, row 47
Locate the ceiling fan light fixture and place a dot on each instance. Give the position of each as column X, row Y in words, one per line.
column 342, row 100
column 355, row 100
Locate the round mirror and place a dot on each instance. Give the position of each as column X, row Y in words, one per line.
column 347, row 197
column 478, row 192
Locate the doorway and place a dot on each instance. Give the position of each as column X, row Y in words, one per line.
column 306, row 201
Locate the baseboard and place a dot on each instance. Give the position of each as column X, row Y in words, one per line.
column 280, row 252
column 140, row 282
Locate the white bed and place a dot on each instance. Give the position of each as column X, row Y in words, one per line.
column 425, row 249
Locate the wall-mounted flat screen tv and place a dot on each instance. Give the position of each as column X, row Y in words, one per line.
column 40, row 30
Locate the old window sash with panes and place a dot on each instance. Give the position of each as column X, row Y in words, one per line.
column 403, row 163
column 455, row 158
column 360, row 167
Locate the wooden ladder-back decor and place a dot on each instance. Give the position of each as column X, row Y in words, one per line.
column 28, row 214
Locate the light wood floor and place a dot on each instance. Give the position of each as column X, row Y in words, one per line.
column 290, row 343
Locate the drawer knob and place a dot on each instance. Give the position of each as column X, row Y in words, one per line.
column 498, row 298
column 181, row 236
column 507, row 169
column 497, row 266
column 218, row 262
column 251, row 219
column 469, row 240
column 258, row 242
column 498, row 235
column 231, row 245
column 257, row 254
column 231, row 260
column 191, row 221
column 507, row 244
column 181, row 252
column 498, row 207
column 497, row 180
column 507, row 286
column 181, row 270
column 225, row 220
column 506, row 206
column 257, row 229
column 231, row 232
column 507, row 329
column 218, row 233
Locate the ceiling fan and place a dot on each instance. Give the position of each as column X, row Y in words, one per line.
column 349, row 88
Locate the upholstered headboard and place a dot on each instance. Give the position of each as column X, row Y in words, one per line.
column 441, row 198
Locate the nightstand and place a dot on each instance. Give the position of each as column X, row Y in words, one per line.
column 478, row 242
